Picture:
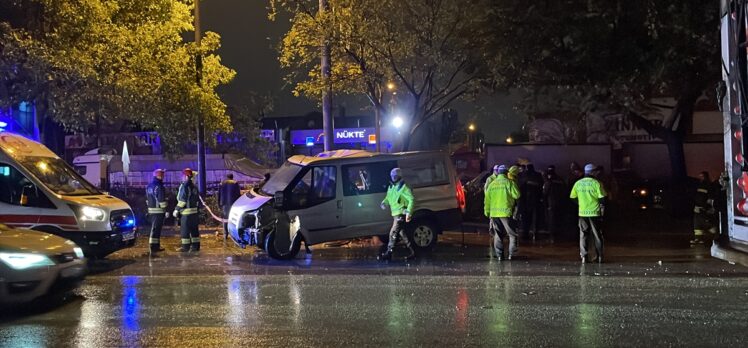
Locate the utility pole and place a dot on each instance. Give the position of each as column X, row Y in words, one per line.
column 201, row 172
column 327, row 120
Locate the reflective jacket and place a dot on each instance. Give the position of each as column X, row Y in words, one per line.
column 155, row 197
column 399, row 198
column 489, row 180
column 228, row 193
column 187, row 198
column 588, row 191
column 501, row 196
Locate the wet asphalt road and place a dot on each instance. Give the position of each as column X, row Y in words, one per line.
column 645, row 295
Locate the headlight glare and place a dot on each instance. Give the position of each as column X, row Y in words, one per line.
column 92, row 214
column 20, row 261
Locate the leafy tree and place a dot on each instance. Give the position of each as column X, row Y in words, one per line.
column 430, row 48
column 592, row 55
column 81, row 61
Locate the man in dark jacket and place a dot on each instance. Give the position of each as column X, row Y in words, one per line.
column 704, row 220
column 554, row 196
column 156, row 201
column 188, row 203
column 531, row 189
column 228, row 193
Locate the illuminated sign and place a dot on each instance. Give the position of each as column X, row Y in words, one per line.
column 342, row 136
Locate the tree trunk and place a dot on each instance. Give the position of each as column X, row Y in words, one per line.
column 673, row 138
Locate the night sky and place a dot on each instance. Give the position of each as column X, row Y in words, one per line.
column 249, row 40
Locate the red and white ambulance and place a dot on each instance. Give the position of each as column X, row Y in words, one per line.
column 40, row 191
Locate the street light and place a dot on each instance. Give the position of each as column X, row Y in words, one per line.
column 398, row 122
column 390, row 86
column 509, row 140
column 471, row 127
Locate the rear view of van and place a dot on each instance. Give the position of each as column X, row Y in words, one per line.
column 40, row 191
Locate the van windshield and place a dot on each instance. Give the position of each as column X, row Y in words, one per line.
column 58, row 176
column 280, row 179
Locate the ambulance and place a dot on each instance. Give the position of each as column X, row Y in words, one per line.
column 40, row 191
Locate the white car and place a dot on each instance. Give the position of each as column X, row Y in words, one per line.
column 33, row 264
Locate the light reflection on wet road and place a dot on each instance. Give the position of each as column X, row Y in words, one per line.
column 342, row 298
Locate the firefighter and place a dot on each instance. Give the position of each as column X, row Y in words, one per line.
column 228, row 193
column 590, row 195
column 498, row 206
column 186, row 211
column 531, row 189
column 156, row 201
column 703, row 211
column 400, row 200
column 554, row 196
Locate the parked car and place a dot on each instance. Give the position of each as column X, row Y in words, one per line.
column 336, row 195
column 33, row 264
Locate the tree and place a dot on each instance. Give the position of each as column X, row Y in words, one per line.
column 430, row 48
column 85, row 61
column 593, row 55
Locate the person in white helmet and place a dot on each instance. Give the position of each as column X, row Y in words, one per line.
column 590, row 195
column 400, row 200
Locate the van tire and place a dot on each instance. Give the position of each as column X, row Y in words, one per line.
column 282, row 255
column 423, row 234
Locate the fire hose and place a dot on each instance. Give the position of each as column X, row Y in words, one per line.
column 215, row 217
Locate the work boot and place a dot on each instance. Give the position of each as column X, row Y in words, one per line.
column 584, row 259
column 385, row 256
column 184, row 248
column 195, row 247
column 411, row 254
column 156, row 248
column 598, row 259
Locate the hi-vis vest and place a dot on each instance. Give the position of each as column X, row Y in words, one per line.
column 400, row 199
column 501, row 196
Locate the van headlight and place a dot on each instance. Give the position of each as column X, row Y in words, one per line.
column 92, row 214
column 78, row 252
column 21, row 261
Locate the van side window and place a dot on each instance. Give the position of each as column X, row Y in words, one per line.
column 425, row 171
column 366, row 178
column 16, row 189
column 318, row 185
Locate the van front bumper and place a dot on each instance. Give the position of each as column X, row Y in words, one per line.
column 100, row 244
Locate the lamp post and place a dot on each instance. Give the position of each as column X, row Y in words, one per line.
column 201, row 171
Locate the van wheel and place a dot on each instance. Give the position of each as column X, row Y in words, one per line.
column 423, row 234
column 282, row 254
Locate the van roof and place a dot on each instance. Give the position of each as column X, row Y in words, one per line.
column 17, row 146
column 338, row 155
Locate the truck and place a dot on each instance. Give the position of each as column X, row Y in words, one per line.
column 732, row 243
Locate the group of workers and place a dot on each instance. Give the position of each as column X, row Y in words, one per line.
column 186, row 210
column 507, row 185
column 503, row 191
